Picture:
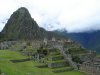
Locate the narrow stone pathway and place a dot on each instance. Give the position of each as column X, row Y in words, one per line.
column 67, row 57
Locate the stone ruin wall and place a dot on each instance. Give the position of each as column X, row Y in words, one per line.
column 36, row 44
column 90, row 69
column 21, row 44
column 6, row 44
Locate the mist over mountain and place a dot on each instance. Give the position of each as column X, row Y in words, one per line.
column 90, row 40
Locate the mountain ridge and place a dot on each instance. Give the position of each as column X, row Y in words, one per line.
column 89, row 40
column 22, row 26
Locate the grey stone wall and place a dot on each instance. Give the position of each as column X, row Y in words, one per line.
column 56, row 58
column 6, row 44
column 90, row 68
column 57, row 64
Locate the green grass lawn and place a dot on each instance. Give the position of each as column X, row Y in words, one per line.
column 25, row 68
column 98, row 55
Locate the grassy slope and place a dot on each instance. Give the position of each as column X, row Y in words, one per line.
column 98, row 55
column 23, row 68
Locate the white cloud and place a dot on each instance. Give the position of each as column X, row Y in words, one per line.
column 73, row 15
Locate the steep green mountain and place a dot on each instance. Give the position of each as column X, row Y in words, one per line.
column 89, row 40
column 22, row 26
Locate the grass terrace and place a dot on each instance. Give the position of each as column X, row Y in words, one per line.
column 26, row 67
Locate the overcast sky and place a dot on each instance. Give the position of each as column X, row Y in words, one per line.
column 72, row 15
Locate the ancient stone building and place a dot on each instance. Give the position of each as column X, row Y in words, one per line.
column 91, row 65
column 6, row 44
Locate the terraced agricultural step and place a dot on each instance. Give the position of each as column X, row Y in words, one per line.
column 63, row 69
column 54, row 53
column 57, row 64
column 52, row 50
column 56, row 57
column 41, row 65
column 67, row 57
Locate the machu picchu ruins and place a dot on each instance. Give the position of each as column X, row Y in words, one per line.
column 57, row 55
column 45, row 50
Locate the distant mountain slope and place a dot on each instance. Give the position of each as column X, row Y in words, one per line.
column 88, row 40
column 22, row 26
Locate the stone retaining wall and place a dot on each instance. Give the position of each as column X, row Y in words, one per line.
column 57, row 64
column 56, row 58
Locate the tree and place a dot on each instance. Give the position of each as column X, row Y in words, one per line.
column 76, row 59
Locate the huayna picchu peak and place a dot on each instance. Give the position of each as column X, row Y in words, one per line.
column 22, row 26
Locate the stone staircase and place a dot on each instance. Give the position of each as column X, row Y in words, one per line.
column 67, row 57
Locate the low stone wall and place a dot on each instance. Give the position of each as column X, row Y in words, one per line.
column 57, row 64
column 63, row 70
column 21, row 60
column 56, row 58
